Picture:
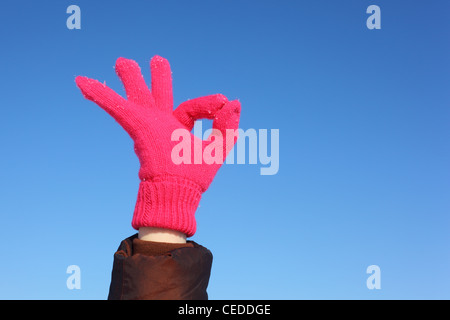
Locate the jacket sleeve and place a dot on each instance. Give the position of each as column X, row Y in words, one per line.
column 179, row 274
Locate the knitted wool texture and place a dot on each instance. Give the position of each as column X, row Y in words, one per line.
column 169, row 192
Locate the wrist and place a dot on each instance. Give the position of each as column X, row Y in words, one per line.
column 161, row 235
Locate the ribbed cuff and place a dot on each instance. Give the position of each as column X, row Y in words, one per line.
column 167, row 202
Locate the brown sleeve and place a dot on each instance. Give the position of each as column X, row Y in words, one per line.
column 152, row 271
column 152, row 248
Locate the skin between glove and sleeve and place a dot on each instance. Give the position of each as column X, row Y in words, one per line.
column 169, row 193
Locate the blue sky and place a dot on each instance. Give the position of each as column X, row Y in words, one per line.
column 364, row 123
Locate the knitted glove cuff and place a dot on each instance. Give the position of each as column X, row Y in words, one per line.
column 167, row 202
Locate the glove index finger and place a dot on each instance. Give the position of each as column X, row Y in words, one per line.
column 225, row 126
column 199, row 108
column 228, row 117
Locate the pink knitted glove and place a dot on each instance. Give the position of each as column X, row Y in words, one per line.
column 169, row 193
